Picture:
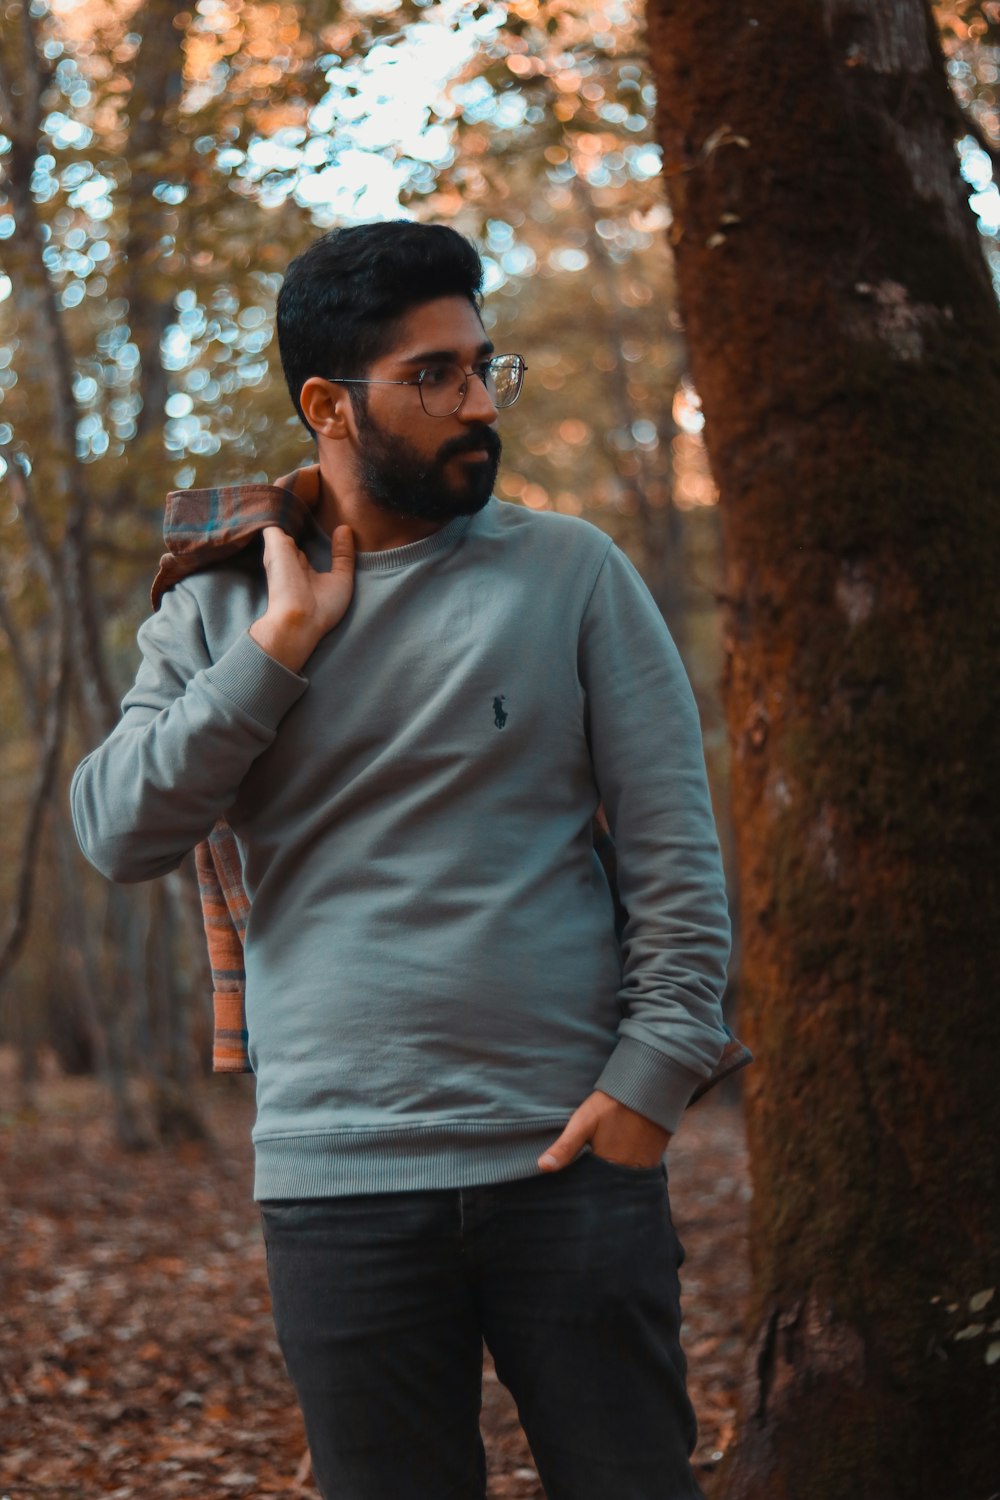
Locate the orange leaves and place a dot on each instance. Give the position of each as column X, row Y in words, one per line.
column 574, row 431
column 535, row 496
column 567, row 81
column 138, row 1351
column 588, row 145
column 261, row 76
column 217, row 1413
column 475, row 142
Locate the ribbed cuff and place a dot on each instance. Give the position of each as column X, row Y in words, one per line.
column 255, row 682
column 649, row 1082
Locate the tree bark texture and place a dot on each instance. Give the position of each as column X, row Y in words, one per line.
column 845, row 341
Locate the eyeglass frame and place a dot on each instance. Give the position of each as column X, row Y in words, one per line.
column 354, row 380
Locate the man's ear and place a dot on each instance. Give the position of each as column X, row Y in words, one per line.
column 328, row 410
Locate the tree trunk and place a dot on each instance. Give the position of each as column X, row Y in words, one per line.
column 845, row 341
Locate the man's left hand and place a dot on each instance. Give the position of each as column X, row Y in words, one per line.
column 612, row 1131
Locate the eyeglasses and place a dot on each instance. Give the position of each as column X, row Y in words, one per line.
column 443, row 387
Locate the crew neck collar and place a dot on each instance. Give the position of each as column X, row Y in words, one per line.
column 390, row 559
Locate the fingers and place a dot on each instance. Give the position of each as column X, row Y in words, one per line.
column 342, row 549
column 278, row 544
column 567, row 1148
column 280, row 548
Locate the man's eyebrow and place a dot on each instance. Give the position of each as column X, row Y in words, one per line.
column 437, row 356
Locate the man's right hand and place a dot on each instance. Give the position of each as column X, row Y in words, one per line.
column 302, row 605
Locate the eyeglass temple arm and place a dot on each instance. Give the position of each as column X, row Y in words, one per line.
column 354, row 380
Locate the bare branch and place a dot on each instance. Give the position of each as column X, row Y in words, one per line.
column 52, row 739
column 23, row 669
column 70, row 478
column 11, row 122
column 42, row 555
column 156, row 89
column 53, row 725
column 44, row 563
column 37, row 74
column 8, row 113
column 23, row 120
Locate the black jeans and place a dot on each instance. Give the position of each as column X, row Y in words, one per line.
column 381, row 1302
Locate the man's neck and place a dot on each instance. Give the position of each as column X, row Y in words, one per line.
column 375, row 529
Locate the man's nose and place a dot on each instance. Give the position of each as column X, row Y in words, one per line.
column 478, row 404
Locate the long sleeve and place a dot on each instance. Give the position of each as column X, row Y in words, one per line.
column 649, row 767
column 190, row 729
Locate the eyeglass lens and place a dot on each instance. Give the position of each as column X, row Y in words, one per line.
column 442, row 387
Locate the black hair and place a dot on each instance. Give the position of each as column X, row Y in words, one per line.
column 342, row 298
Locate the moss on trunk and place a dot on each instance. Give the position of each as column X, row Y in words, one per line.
column 845, row 342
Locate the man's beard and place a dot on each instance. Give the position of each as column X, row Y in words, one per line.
column 397, row 478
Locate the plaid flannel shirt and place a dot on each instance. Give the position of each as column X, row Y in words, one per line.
column 201, row 528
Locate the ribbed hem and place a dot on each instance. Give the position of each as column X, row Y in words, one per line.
column 648, row 1081
column 449, row 1154
column 255, row 682
column 390, row 559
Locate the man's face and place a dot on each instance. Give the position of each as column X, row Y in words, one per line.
column 412, row 464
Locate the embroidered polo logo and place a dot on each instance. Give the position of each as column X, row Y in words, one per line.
column 499, row 712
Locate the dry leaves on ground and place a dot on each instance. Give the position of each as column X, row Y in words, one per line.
column 137, row 1354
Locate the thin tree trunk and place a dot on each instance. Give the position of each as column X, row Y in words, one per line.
column 200, row 1019
column 120, row 1006
column 659, row 525
column 175, row 1110
column 155, row 89
column 845, row 341
column 46, row 710
column 76, row 1031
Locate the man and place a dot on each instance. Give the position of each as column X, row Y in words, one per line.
column 465, row 1084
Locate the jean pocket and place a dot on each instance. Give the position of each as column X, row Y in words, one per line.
column 652, row 1173
column 296, row 1215
column 286, row 1208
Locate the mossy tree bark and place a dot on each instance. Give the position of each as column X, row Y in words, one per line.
column 845, row 340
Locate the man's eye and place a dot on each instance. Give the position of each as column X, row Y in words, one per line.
column 436, row 375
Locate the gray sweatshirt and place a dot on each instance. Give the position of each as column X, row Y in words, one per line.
column 433, row 982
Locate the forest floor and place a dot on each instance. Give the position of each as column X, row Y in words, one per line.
column 137, row 1355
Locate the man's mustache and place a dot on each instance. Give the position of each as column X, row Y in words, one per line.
column 471, row 443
